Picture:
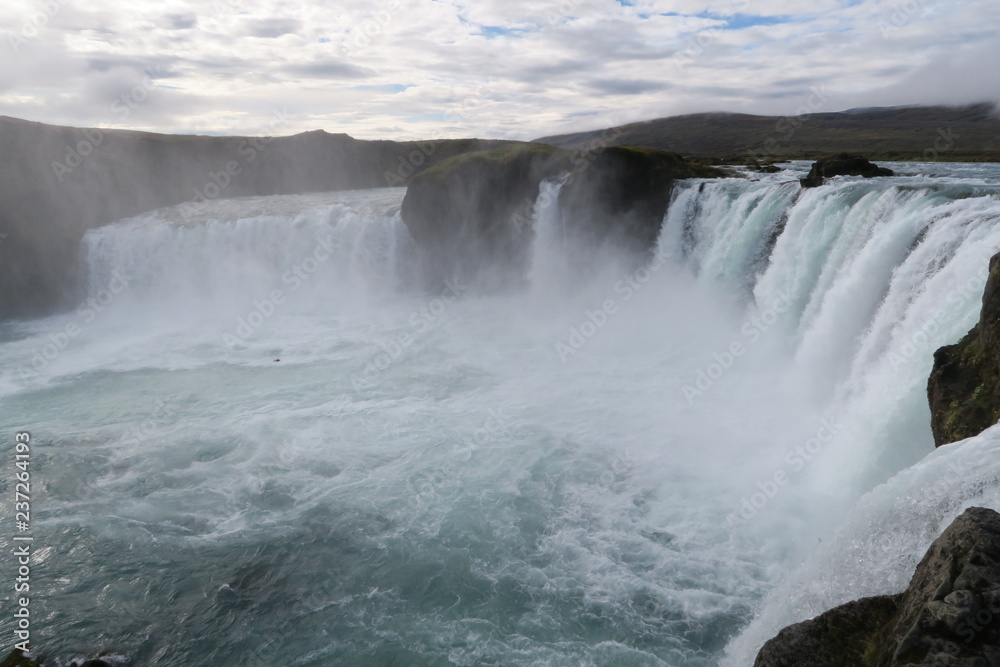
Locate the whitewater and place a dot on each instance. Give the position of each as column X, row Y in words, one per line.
column 262, row 439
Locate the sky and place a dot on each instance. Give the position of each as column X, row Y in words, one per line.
column 508, row 69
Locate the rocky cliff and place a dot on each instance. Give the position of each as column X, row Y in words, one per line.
column 949, row 615
column 964, row 387
column 58, row 182
column 472, row 215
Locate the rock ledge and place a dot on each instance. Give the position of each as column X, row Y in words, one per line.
column 949, row 615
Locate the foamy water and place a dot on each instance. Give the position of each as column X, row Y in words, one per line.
column 657, row 464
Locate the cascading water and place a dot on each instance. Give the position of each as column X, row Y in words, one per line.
column 290, row 243
column 263, row 443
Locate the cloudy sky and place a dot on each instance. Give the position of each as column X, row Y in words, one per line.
column 405, row 69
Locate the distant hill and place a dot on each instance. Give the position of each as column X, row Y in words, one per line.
column 968, row 133
column 58, row 182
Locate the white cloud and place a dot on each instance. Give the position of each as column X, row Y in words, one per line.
column 509, row 69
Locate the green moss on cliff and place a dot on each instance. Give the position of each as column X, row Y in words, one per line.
column 636, row 157
column 853, row 634
column 17, row 659
column 964, row 390
column 497, row 157
column 964, row 387
column 472, row 214
column 844, row 164
column 642, row 157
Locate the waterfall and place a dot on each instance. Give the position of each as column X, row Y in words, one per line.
column 235, row 252
column 878, row 275
column 632, row 460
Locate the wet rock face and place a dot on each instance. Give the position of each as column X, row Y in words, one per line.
column 949, row 615
column 17, row 659
column 834, row 639
column 844, row 164
column 620, row 196
column 472, row 215
column 964, row 386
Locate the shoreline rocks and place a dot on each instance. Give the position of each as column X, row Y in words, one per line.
column 18, row 659
column 949, row 614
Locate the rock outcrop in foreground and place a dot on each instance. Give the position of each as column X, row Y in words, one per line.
column 472, row 215
column 18, row 659
column 949, row 615
column 964, row 387
column 844, row 164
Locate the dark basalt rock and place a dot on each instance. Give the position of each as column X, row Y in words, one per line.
column 949, row 615
column 17, row 659
column 837, row 638
column 469, row 214
column 964, row 386
column 620, row 195
column 843, row 164
column 763, row 167
column 472, row 214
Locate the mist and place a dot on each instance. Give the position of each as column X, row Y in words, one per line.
column 652, row 439
column 573, row 333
